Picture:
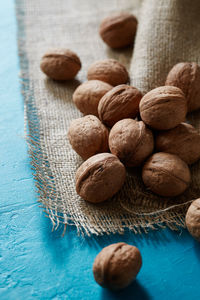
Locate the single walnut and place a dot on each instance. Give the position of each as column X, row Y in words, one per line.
column 131, row 141
column 118, row 30
column 88, row 136
column 186, row 76
column 192, row 219
column 60, row 64
column 183, row 140
column 87, row 96
column 117, row 265
column 166, row 174
column 100, row 177
column 163, row 108
column 119, row 103
column 108, row 70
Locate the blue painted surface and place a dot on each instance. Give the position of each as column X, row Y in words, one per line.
column 38, row 264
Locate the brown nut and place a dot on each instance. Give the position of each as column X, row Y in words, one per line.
column 117, row 265
column 118, row 30
column 183, row 140
column 131, row 141
column 166, row 174
column 186, row 76
column 87, row 96
column 192, row 219
column 163, row 108
column 88, row 136
column 60, row 64
column 108, row 70
column 119, row 103
column 100, row 177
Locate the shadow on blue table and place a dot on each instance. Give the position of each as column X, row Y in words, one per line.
column 134, row 291
column 197, row 249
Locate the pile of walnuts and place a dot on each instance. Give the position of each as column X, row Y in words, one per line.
column 147, row 131
column 122, row 128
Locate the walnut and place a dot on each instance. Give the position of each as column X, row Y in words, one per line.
column 100, row 177
column 183, row 140
column 166, row 174
column 118, row 30
column 131, row 141
column 108, row 70
column 87, row 96
column 163, row 108
column 186, row 76
column 119, row 103
column 60, row 64
column 117, row 265
column 192, row 219
column 88, row 136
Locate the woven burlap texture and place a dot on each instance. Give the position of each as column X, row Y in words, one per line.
column 168, row 33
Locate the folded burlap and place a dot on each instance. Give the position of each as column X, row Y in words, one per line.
column 168, row 32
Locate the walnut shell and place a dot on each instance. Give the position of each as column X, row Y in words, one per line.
column 87, row 96
column 60, row 64
column 163, row 108
column 100, row 177
column 117, row 265
column 166, row 174
column 88, row 136
column 186, row 76
column 183, row 140
column 108, row 70
column 119, row 103
column 118, row 30
column 131, row 141
column 192, row 219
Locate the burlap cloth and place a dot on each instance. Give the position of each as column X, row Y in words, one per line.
column 168, row 32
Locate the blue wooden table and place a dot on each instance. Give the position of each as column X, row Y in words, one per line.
column 36, row 263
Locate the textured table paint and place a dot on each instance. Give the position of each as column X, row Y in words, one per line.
column 38, row 264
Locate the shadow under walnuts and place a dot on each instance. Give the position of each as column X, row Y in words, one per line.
column 59, row 89
column 135, row 291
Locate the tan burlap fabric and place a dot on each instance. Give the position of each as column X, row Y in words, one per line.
column 168, row 32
